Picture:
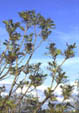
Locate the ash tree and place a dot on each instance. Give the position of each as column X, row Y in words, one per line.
column 24, row 39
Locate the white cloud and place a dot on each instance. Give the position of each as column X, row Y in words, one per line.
column 41, row 88
column 6, row 82
column 72, row 61
column 58, row 91
column 4, row 94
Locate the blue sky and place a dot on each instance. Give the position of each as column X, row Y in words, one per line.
column 65, row 14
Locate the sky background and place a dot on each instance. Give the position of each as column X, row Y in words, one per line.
column 65, row 14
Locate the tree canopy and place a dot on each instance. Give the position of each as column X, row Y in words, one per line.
column 24, row 39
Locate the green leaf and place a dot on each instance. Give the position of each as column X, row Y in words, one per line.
column 25, row 36
column 22, row 28
column 5, row 22
column 58, row 51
